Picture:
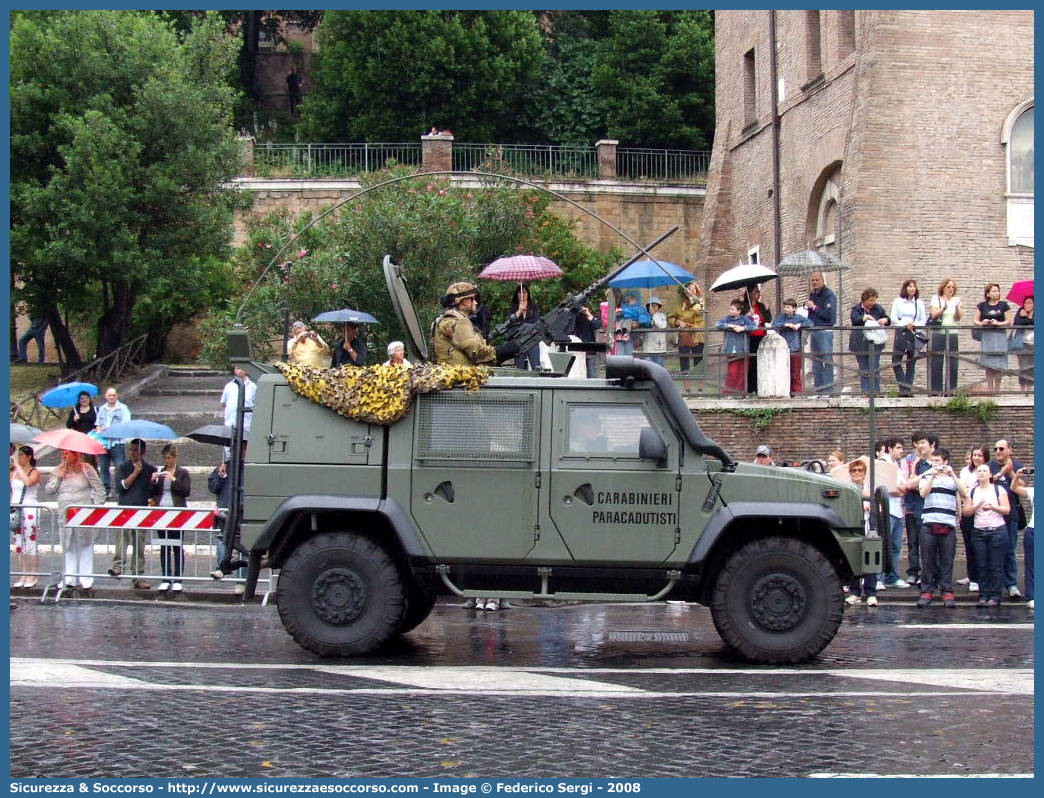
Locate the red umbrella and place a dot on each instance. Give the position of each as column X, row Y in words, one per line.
column 521, row 268
column 1019, row 291
column 70, row 439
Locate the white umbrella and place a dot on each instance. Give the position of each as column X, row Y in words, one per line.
column 746, row 275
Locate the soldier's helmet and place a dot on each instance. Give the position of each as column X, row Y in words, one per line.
column 457, row 292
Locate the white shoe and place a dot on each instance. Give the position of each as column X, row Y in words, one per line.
column 880, row 585
column 493, row 605
column 1030, row 604
column 162, row 586
column 480, row 604
column 1013, row 591
column 852, row 600
column 964, row 581
column 973, row 587
column 900, row 583
column 872, row 601
column 239, row 589
column 176, row 587
column 845, row 588
column 469, row 604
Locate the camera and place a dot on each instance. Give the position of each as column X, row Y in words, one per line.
column 1026, row 471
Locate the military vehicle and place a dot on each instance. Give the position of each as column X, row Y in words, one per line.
column 535, row 487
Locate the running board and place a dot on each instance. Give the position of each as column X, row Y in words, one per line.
column 545, row 576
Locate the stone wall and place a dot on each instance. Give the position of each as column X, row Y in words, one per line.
column 641, row 211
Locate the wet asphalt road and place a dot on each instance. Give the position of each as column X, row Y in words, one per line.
column 116, row 689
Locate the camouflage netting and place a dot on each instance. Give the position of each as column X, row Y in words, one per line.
column 378, row 394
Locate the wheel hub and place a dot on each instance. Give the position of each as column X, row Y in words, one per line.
column 338, row 596
column 778, row 602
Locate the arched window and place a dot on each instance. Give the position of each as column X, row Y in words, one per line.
column 1020, row 154
column 1017, row 138
column 826, row 214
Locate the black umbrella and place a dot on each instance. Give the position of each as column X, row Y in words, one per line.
column 345, row 315
column 219, row 434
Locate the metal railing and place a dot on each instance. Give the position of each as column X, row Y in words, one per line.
column 318, row 160
column 534, row 160
column 968, row 376
column 672, row 166
column 106, row 369
column 562, row 161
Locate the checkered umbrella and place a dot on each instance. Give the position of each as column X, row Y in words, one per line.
column 521, row 268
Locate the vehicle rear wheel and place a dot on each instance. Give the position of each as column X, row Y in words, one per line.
column 777, row 600
column 340, row 594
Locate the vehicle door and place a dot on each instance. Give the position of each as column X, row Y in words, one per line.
column 475, row 477
column 606, row 502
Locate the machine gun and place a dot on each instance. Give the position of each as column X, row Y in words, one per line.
column 555, row 326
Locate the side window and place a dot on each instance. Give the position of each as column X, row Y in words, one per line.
column 605, row 429
column 479, row 427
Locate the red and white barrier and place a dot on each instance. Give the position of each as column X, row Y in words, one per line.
column 111, row 517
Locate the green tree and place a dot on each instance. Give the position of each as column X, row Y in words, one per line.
column 655, row 78
column 249, row 26
column 120, row 145
column 391, row 75
column 439, row 232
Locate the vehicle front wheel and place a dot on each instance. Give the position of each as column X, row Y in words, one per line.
column 777, row 600
column 420, row 602
column 340, row 594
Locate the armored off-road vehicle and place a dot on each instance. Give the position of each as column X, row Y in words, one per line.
column 536, row 487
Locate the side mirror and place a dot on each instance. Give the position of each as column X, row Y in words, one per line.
column 651, row 446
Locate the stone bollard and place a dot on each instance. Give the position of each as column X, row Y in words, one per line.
column 773, row 366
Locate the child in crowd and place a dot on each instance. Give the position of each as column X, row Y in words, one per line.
column 737, row 326
column 655, row 343
column 790, row 324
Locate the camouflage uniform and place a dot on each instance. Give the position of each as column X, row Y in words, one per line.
column 456, row 342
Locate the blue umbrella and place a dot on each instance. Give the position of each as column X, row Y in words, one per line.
column 649, row 274
column 346, row 314
column 140, row 428
column 65, row 395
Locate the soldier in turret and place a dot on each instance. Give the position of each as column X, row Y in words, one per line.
column 455, row 341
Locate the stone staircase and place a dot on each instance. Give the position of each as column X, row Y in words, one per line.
column 187, row 398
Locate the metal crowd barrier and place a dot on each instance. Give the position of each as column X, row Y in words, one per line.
column 110, row 523
column 48, row 549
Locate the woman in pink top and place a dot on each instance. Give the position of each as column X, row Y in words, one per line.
column 975, row 458
column 988, row 505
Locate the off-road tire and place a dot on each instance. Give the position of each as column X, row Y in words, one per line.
column 420, row 603
column 777, row 600
column 340, row 594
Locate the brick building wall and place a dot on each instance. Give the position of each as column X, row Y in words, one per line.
column 910, row 105
column 805, row 432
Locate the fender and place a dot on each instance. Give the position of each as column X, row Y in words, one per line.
column 750, row 509
column 405, row 530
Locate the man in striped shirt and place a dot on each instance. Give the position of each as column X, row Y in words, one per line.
column 943, row 494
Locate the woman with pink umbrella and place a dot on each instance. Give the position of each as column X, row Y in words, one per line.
column 1022, row 336
column 75, row 482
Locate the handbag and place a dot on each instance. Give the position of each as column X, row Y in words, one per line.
column 16, row 515
column 874, row 333
column 920, row 341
